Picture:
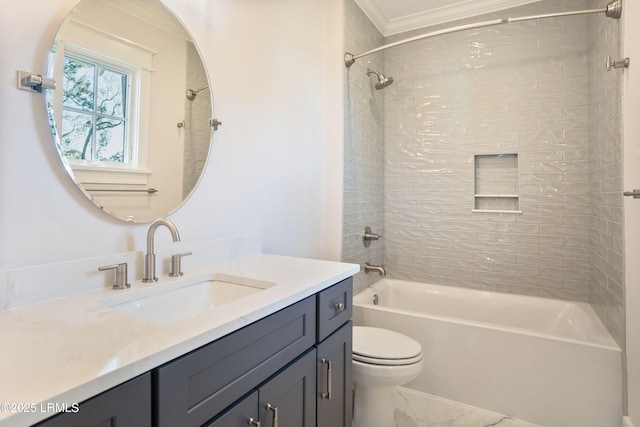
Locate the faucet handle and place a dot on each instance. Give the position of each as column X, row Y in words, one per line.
column 121, row 281
column 368, row 236
column 175, row 268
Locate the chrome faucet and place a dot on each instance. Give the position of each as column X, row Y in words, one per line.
column 150, row 257
column 370, row 267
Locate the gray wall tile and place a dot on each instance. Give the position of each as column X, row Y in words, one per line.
column 535, row 88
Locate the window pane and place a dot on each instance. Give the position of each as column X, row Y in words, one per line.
column 111, row 139
column 76, row 136
column 78, row 84
column 101, row 92
column 112, row 90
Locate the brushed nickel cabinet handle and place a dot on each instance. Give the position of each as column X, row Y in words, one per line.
column 253, row 422
column 274, row 410
column 327, row 395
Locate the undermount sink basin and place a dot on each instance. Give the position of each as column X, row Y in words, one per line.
column 170, row 302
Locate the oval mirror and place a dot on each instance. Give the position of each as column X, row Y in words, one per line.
column 130, row 115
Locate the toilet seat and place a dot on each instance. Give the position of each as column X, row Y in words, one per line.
column 378, row 346
column 386, row 362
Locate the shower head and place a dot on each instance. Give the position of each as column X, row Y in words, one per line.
column 191, row 94
column 382, row 80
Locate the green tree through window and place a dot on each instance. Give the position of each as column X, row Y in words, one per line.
column 94, row 111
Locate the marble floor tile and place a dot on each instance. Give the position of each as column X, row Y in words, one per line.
column 416, row 409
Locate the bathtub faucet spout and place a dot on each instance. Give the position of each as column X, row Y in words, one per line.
column 370, row 267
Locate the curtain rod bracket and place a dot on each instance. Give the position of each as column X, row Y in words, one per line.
column 614, row 9
column 620, row 63
column 349, row 59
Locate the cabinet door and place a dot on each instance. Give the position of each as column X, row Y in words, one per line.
column 288, row 400
column 240, row 414
column 127, row 405
column 335, row 395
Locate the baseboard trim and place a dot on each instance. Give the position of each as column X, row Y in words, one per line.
column 626, row 422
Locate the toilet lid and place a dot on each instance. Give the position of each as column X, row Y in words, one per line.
column 384, row 347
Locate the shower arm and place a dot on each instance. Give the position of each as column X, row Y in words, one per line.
column 201, row 89
column 191, row 94
column 612, row 10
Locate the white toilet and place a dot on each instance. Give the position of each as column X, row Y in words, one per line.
column 382, row 359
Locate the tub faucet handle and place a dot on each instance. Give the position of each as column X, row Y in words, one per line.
column 368, row 236
column 121, row 280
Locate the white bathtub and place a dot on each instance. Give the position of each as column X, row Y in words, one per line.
column 545, row 361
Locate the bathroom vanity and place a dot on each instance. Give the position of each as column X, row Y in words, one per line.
column 291, row 367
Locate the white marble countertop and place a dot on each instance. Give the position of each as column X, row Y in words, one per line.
column 66, row 350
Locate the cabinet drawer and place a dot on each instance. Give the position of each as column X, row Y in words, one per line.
column 334, row 307
column 194, row 388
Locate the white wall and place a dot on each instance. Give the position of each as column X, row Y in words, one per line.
column 276, row 77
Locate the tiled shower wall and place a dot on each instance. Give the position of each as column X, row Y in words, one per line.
column 514, row 89
column 364, row 147
column 522, row 89
column 605, row 156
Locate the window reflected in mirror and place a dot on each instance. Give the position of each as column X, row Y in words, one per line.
column 95, row 111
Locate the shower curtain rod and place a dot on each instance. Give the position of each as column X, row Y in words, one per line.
column 612, row 10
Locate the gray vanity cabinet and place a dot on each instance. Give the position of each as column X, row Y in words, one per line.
column 289, row 369
column 126, row 405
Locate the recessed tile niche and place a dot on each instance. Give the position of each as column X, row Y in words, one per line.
column 496, row 183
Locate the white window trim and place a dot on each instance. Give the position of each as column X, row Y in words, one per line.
column 94, row 174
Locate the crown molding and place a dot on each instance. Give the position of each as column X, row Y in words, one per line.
column 154, row 13
column 374, row 12
column 453, row 12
